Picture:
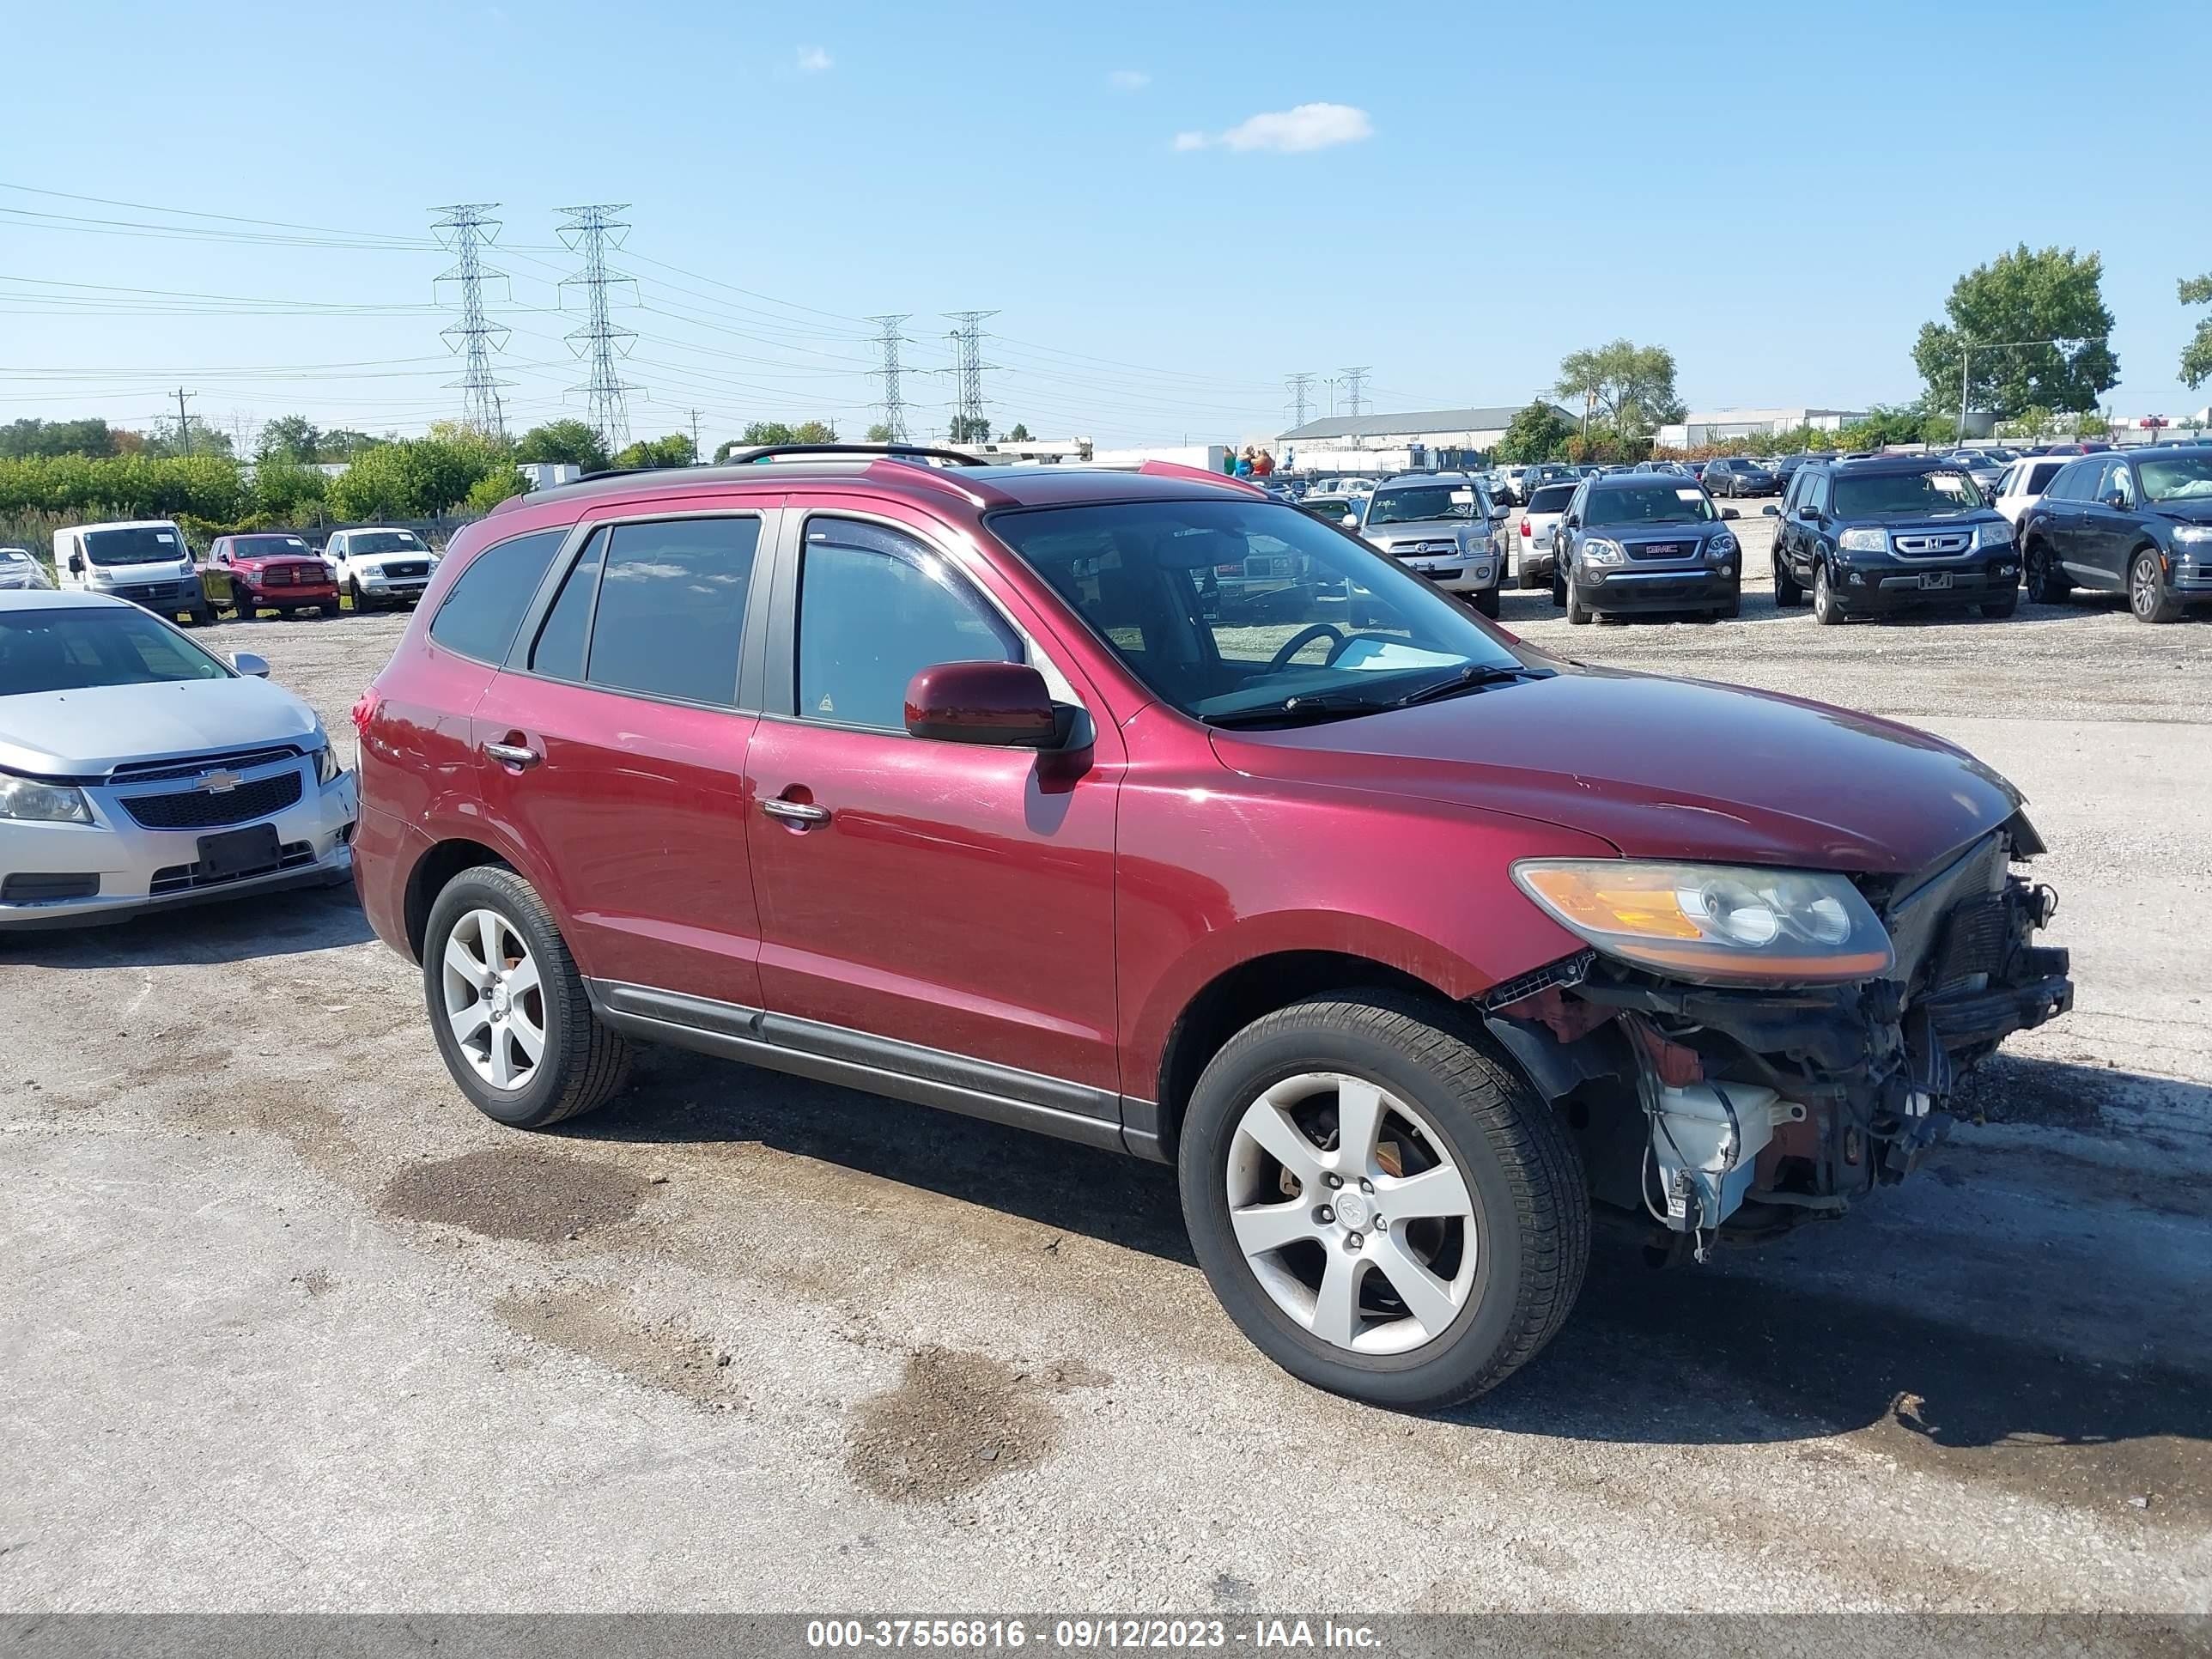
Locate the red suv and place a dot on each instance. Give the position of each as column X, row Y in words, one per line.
column 278, row 572
column 1141, row 809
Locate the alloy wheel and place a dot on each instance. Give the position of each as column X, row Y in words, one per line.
column 495, row 1000
column 1350, row 1214
column 2142, row 587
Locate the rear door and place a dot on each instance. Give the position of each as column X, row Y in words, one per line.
column 614, row 741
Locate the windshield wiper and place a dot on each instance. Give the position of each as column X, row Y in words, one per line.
column 1471, row 677
column 1298, row 710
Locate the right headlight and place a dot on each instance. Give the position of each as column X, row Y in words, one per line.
column 31, row 801
column 1598, row 550
column 2193, row 535
column 1717, row 923
column 1863, row 541
column 1993, row 535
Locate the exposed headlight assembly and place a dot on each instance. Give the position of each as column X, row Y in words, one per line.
column 1721, row 546
column 2193, row 535
column 1863, row 541
column 1993, row 535
column 33, row 802
column 1716, row 923
column 1599, row 551
column 327, row 769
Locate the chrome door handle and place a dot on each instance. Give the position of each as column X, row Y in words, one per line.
column 796, row 811
column 512, row 754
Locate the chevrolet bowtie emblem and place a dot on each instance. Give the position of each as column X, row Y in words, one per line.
column 218, row 783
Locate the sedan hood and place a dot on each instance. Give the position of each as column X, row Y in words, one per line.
column 1663, row 768
column 87, row 734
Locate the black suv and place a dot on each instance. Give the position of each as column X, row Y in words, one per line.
column 1887, row 533
column 2139, row 525
column 1645, row 541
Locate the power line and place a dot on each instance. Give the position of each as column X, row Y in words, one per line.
column 1301, row 389
column 1355, row 382
column 471, row 231
column 586, row 231
column 970, row 423
column 894, row 405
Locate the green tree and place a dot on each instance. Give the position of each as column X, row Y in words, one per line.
column 1539, row 433
column 577, row 442
column 2027, row 295
column 2196, row 355
column 495, row 486
column 814, row 432
column 27, row 440
column 288, row 491
column 342, row 444
column 1628, row 387
column 196, row 438
column 880, row 433
column 970, row 429
column 768, row 432
column 412, row 479
column 1020, row 435
column 289, row 437
column 674, row 450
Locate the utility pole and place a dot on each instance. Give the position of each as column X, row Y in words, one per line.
column 694, row 437
column 1355, row 382
column 184, row 422
column 466, row 230
column 586, row 231
column 969, row 366
column 893, row 404
column 1300, row 387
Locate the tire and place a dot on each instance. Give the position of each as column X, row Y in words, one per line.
column 1998, row 610
column 1519, row 1213
column 2147, row 594
column 1558, row 587
column 203, row 615
column 580, row 1063
column 1825, row 610
column 1732, row 609
column 1489, row 602
column 2046, row 583
column 1788, row 596
column 359, row 599
column 1576, row 614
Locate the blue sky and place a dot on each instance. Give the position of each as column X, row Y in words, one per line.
column 1164, row 225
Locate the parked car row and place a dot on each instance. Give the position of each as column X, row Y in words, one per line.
column 149, row 562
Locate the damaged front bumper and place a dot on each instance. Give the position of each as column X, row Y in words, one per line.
column 1735, row 1113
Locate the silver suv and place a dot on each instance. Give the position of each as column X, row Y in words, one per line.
column 1438, row 525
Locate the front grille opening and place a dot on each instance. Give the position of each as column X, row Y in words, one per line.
column 244, row 760
column 39, row 887
column 198, row 809
column 192, row 877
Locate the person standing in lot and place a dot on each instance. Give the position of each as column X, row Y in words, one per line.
column 1244, row 463
column 1229, row 460
column 1264, row 466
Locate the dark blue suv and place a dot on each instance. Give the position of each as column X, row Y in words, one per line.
column 1645, row 541
column 1892, row 532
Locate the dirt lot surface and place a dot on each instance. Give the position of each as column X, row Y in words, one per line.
column 288, row 1326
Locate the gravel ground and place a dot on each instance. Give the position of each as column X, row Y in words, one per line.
column 289, row 1327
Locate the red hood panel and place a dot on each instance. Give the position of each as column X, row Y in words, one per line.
column 1664, row 769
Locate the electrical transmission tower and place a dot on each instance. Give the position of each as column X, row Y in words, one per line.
column 467, row 231
column 970, row 423
column 893, row 404
column 587, row 232
column 1355, row 383
column 1301, row 390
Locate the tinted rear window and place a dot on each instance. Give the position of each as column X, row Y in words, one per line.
column 672, row 608
column 481, row 613
column 1552, row 498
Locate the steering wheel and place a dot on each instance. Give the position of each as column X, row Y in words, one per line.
column 1304, row 637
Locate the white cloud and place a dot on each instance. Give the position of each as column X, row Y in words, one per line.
column 1129, row 80
column 813, row 60
column 1289, row 131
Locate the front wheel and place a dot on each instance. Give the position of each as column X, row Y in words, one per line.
column 1825, row 610
column 2147, row 594
column 1998, row 610
column 1558, row 586
column 508, row 1006
column 1383, row 1206
column 359, row 599
column 1576, row 612
column 1488, row 603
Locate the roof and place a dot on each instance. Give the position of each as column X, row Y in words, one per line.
column 1420, row 420
column 1886, row 463
column 70, row 599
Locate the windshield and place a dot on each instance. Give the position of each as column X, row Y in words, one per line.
column 14, row 555
column 1655, row 502
column 1918, row 493
column 1224, row 608
column 139, row 544
column 71, row 649
column 267, row 547
column 2178, row 478
column 387, row 541
column 1552, row 498
column 1412, row 505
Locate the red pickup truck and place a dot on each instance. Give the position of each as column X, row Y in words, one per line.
column 278, row 572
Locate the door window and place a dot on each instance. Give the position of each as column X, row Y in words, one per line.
column 671, row 608
column 559, row 652
column 480, row 614
column 1816, row 494
column 876, row 608
column 2116, row 481
column 2072, row 485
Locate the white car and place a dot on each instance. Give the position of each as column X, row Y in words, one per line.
column 139, row 770
column 19, row 569
column 380, row 566
column 1529, row 532
column 2024, row 483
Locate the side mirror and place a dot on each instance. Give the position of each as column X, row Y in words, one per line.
column 1352, row 521
column 77, row 564
column 1770, row 511
column 1810, row 514
column 1003, row 704
column 1730, row 513
column 2116, row 500
column 250, row 663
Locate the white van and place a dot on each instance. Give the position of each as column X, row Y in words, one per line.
column 146, row 561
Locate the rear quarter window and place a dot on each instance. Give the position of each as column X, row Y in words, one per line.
column 483, row 610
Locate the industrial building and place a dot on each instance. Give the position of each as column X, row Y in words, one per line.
column 1719, row 426
column 1450, row 437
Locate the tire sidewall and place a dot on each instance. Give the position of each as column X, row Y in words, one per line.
column 1245, row 1068
column 494, row 888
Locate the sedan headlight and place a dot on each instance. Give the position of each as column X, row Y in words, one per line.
column 1863, row 541
column 327, row 769
column 1721, row 546
column 1713, row 922
column 33, row 802
column 1598, row 550
column 2193, row 535
column 1993, row 535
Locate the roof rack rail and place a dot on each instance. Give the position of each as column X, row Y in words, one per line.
column 887, row 452
column 977, row 493
column 1199, row 474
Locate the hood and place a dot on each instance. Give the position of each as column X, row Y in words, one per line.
column 1424, row 530
column 87, row 734
column 2191, row 512
column 1663, row 768
column 152, row 570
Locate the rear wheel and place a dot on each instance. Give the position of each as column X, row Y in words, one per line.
column 1788, row 596
column 2147, row 594
column 1381, row 1204
column 1825, row 610
column 508, row 1008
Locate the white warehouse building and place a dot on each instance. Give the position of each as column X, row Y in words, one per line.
column 1446, row 434
column 1718, row 426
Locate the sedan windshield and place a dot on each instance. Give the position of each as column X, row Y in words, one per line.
column 1656, row 502
column 139, row 544
column 2177, row 478
column 1424, row 501
column 387, row 541
column 1917, row 494
column 1254, row 614
column 71, row 649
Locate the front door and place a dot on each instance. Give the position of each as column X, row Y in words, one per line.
column 927, row 907
column 2110, row 523
column 612, row 747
